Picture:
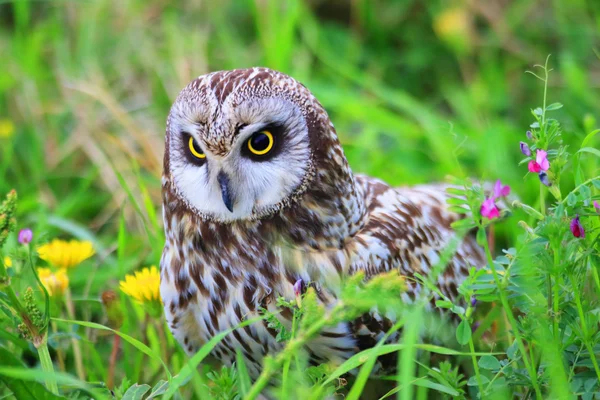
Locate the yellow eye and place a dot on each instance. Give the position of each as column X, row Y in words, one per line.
column 261, row 143
column 195, row 152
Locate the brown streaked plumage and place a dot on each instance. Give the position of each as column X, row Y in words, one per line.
column 241, row 229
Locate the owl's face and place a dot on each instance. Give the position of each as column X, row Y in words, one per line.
column 237, row 149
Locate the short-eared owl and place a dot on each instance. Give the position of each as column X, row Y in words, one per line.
column 257, row 194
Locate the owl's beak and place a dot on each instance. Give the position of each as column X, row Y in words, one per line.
column 223, row 180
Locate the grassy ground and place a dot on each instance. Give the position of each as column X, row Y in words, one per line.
column 418, row 90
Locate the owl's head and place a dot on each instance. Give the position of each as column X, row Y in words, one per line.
column 241, row 144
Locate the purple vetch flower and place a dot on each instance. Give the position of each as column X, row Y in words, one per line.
column 529, row 135
column 544, row 179
column 473, row 301
column 576, row 228
column 501, row 190
column 298, row 288
column 597, row 206
column 525, row 149
column 541, row 162
column 489, row 209
column 25, row 236
column 475, row 326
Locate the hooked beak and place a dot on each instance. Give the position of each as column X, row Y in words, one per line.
column 225, row 190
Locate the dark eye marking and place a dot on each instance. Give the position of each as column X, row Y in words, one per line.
column 193, row 152
column 265, row 143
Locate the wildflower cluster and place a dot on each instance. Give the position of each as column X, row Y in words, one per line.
column 545, row 277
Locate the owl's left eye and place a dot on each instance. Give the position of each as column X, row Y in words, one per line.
column 261, row 143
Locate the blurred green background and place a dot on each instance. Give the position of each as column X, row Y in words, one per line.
column 417, row 90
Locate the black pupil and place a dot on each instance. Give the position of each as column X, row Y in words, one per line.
column 259, row 141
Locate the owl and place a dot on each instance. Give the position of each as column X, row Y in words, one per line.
column 257, row 194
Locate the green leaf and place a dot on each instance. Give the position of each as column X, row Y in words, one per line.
column 463, row 332
column 243, row 377
column 134, row 342
column 136, row 392
column 571, row 199
column 590, row 150
column 458, row 209
column 538, row 111
column 443, row 304
column 190, row 367
column 596, row 183
column 359, row 358
column 490, row 363
column 585, row 193
column 481, row 238
column 457, row 201
column 22, row 388
column 159, row 389
column 473, row 380
column 436, row 386
column 554, row 106
column 463, row 224
column 456, row 191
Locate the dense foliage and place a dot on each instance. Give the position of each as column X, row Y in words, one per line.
column 418, row 90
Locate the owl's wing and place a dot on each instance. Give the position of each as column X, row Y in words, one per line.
column 408, row 229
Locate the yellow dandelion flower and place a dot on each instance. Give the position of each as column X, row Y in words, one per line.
column 63, row 254
column 143, row 286
column 55, row 282
column 7, row 262
column 7, row 128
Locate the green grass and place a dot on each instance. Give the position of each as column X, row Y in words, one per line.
column 417, row 91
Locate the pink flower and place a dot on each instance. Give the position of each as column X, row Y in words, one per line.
column 25, row 236
column 534, row 167
column 597, row 206
column 576, row 228
column 540, row 158
column 501, row 191
column 541, row 162
column 489, row 209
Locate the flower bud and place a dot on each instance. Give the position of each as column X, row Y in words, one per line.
column 544, row 179
column 525, row 149
column 25, row 236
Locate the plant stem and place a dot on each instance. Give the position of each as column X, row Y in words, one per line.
column 110, row 378
column 512, row 320
column 292, row 346
column 46, row 363
column 76, row 345
column 476, row 366
column 542, row 200
column 584, row 328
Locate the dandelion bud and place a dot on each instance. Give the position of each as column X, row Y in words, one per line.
column 525, row 149
column 529, row 135
column 25, row 236
column 544, row 179
column 113, row 308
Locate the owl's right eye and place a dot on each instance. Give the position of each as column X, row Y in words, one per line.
column 194, row 152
